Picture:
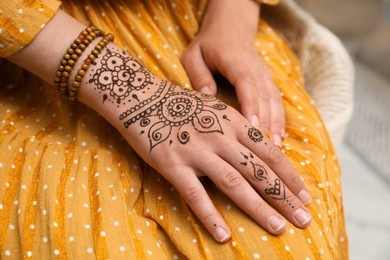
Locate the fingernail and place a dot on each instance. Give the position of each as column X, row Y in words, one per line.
column 302, row 216
column 304, row 196
column 283, row 133
column 255, row 121
column 276, row 223
column 277, row 140
column 205, row 90
column 221, row 234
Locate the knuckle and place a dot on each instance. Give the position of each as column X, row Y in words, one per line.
column 274, row 155
column 192, row 194
column 232, row 180
column 259, row 208
column 246, row 79
column 294, row 180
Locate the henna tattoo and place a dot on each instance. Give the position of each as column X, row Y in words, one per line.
column 168, row 109
column 276, row 188
column 277, row 191
column 120, row 75
column 166, row 113
column 255, row 134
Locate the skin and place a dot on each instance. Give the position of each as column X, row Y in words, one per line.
column 224, row 44
column 208, row 138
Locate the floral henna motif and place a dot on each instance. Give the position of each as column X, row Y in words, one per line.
column 167, row 110
column 255, row 134
column 120, row 75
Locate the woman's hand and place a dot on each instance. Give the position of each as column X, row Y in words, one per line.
column 225, row 44
column 185, row 135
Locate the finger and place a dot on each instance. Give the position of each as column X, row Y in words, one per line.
column 233, row 184
column 266, row 182
column 277, row 115
column 272, row 155
column 241, row 74
column 197, row 198
column 264, row 106
column 198, row 72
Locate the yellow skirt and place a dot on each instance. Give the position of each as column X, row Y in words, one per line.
column 71, row 187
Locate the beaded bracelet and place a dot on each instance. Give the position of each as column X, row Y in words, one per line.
column 73, row 88
column 72, row 55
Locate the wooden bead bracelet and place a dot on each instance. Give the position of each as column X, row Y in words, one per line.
column 72, row 55
column 73, row 88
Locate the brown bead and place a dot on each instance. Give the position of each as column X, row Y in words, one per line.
column 91, row 57
column 77, row 41
column 102, row 44
column 58, row 74
column 63, row 85
column 71, row 62
column 57, row 78
column 65, row 74
column 89, row 29
column 82, row 46
column 74, row 57
column 98, row 47
column 85, row 41
column 81, row 72
column 93, row 35
column 84, row 66
column 85, row 33
column 89, row 38
column 70, row 51
column 78, row 51
column 66, row 56
column 60, row 68
column 95, row 52
column 64, row 62
column 78, row 78
column 76, row 84
column 73, row 45
column 68, row 68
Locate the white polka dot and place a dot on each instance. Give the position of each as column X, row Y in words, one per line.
column 149, row 252
column 83, row 143
column 71, row 238
column 148, row 35
column 41, row 9
column 11, row 227
column 70, row 215
column 228, row 206
column 292, row 231
column 161, row 217
column 114, row 198
column 89, row 250
column 87, row 226
column 32, row 226
column 234, row 243
column 194, row 240
column 29, row 253
column 44, row 212
column 175, row 257
column 7, row 252
column 116, row 223
column 20, row 11
column 45, row 239
column 287, row 248
column 309, row 240
column 264, row 238
column 56, row 251
column 177, row 228
column 139, row 231
column 21, row 30
column 55, row 224
column 241, row 229
column 256, row 255
column 122, row 248
column 174, row 209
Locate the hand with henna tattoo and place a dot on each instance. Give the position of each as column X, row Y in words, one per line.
column 185, row 135
column 182, row 134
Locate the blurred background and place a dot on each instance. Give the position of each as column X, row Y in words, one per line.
column 364, row 28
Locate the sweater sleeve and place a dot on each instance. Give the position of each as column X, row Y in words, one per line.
column 21, row 21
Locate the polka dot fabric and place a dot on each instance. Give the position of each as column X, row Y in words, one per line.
column 71, row 187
